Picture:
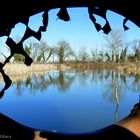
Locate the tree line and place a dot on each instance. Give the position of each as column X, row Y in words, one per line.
column 117, row 50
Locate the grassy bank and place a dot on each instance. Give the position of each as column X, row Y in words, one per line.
column 18, row 72
column 21, row 69
column 125, row 67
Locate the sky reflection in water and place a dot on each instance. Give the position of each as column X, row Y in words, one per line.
column 71, row 102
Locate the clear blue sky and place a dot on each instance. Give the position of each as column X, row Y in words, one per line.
column 79, row 31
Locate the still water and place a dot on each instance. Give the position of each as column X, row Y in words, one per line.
column 71, row 102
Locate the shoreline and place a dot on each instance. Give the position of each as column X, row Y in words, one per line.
column 22, row 69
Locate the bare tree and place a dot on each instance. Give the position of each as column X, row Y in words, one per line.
column 108, row 56
column 101, row 56
column 94, row 54
column 51, row 51
column 83, row 54
column 123, row 54
column 115, row 42
column 64, row 51
column 136, row 48
column 40, row 51
column 34, row 50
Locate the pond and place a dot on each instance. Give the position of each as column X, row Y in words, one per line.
column 71, row 102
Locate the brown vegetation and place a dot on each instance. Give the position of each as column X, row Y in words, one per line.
column 21, row 69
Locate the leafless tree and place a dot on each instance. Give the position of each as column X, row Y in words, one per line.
column 115, row 40
column 136, row 48
column 40, row 51
column 64, row 51
column 83, row 54
column 94, row 54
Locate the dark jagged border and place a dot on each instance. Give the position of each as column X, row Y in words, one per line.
column 63, row 15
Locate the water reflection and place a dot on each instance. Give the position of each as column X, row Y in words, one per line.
column 88, row 96
column 116, row 83
column 42, row 81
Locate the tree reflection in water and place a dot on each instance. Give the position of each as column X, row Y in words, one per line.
column 113, row 86
column 40, row 82
column 116, row 84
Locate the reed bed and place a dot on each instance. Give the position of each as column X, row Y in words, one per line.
column 21, row 72
column 21, row 69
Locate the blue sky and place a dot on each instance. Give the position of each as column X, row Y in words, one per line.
column 79, row 31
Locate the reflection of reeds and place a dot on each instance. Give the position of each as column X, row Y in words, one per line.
column 16, row 78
